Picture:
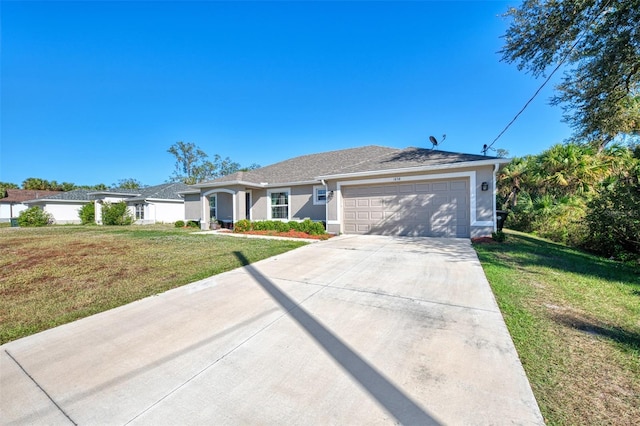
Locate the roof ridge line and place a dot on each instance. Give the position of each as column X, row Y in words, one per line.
column 371, row 159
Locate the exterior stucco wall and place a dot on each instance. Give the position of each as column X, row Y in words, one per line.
column 64, row 213
column 302, row 204
column 9, row 210
column 260, row 204
column 159, row 212
column 484, row 199
column 192, row 210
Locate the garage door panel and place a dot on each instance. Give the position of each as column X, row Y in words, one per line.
column 363, row 228
column 418, row 209
column 440, row 186
column 422, row 187
column 349, row 203
column 406, row 189
column 458, row 185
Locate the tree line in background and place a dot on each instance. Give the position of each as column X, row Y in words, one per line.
column 578, row 195
column 192, row 166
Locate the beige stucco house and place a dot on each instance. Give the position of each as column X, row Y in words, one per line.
column 366, row 190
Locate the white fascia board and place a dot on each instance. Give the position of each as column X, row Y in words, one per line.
column 286, row 184
column 163, row 200
column 221, row 185
column 120, row 194
column 49, row 200
column 466, row 164
column 254, row 184
column 192, row 191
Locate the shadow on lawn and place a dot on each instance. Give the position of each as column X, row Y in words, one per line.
column 529, row 251
column 393, row 399
column 619, row 335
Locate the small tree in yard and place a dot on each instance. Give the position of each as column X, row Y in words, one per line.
column 116, row 214
column 34, row 216
column 87, row 214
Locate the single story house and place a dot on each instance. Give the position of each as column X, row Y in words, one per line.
column 366, row 190
column 153, row 204
column 12, row 201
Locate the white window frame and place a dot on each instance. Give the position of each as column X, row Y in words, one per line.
column 270, row 207
column 139, row 208
column 215, row 207
column 316, row 198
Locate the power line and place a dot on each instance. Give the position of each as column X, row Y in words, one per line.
column 527, row 104
column 486, row 148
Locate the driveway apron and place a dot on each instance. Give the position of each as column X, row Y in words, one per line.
column 354, row 330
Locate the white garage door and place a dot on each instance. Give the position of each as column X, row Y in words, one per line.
column 430, row 209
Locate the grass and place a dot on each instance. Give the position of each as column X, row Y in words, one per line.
column 53, row 275
column 575, row 321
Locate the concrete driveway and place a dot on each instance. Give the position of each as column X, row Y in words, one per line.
column 354, row 330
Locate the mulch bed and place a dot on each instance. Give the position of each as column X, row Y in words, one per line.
column 483, row 240
column 289, row 234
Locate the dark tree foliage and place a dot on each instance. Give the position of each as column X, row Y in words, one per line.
column 613, row 219
column 193, row 166
column 129, row 183
column 599, row 42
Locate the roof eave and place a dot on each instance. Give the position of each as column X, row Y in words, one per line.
column 222, row 184
column 164, row 200
column 54, row 200
column 123, row 194
column 459, row 165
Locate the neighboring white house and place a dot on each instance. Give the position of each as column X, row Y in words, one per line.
column 12, row 201
column 153, row 204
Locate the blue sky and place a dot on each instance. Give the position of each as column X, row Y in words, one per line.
column 95, row 92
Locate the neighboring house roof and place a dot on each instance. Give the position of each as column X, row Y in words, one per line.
column 372, row 158
column 22, row 195
column 165, row 191
column 75, row 195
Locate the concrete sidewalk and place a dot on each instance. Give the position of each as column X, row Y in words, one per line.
column 354, row 330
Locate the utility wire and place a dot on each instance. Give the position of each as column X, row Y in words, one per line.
column 487, row 147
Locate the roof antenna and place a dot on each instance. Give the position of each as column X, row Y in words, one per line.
column 486, row 148
column 435, row 142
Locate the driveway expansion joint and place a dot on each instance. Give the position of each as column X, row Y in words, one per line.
column 39, row 387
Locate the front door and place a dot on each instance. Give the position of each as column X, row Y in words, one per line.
column 247, row 205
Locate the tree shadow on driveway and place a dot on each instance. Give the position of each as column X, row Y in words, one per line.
column 392, row 399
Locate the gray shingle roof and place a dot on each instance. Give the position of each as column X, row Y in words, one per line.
column 165, row 191
column 75, row 195
column 370, row 158
column 409, row 158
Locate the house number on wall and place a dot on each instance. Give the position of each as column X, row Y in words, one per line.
column 396, row 179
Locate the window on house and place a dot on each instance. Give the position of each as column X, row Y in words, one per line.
column 139, row 211
column 213, row 207
column 319, row 195
column 279, row 204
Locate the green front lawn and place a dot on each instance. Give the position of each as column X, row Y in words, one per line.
column 53, row 275
column 575, row 321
